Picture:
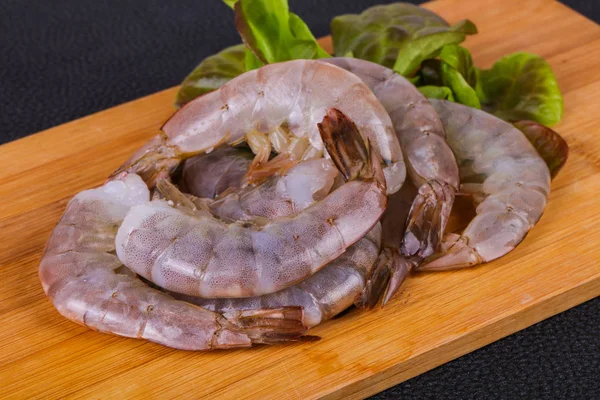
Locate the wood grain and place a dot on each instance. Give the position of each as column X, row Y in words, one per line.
column 436, row 318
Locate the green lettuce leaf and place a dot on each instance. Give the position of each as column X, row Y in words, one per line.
column 463, row 92
column 273, row 33
column 454, row 71
column 251, row 61
column 521, row 86
column 437, row 92
column 460, row 59
column 548, row 143
column 300, row 31
column 413, row 52
column 399, row 35
column 459, row 74
column 212, row 72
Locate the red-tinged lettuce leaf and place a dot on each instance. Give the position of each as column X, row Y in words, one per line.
column 385, row 34
column 274, row 34
column 212, row 73
column 551, row 146
column 521, row 86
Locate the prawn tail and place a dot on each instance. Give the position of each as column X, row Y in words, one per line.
column 152, row 162
column 455, row 253
column 347, row 148
column 427, row 220
column 271, row 326
column 386, row 279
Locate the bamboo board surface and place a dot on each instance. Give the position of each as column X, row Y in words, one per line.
column 436, row 318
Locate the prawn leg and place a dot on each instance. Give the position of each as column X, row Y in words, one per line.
column 261, row 167
column 455, row 253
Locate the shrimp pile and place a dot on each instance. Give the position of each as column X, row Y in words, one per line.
column 272, row 204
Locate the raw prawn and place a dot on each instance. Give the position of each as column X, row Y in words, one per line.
column 505, row 176
column 276, row 107
column 415, row 220
column 430, row 163
column 199, row 255
column 87, row 284
column 330, row 290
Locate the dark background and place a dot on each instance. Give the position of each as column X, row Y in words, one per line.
column 63, row 59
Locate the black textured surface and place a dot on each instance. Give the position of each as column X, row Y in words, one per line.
column 63, row 59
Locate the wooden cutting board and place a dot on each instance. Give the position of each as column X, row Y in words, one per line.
column 436, row 318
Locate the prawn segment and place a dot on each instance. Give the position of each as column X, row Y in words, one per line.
column 200, row 255
column 506, row 178
column 85, row 283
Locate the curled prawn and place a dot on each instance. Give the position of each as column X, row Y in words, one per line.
column 196, row 254
column 430, row 163
column 323, row 295
column 87, row 284
column 504, row 175
column 416, row 218
column 276, row 107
